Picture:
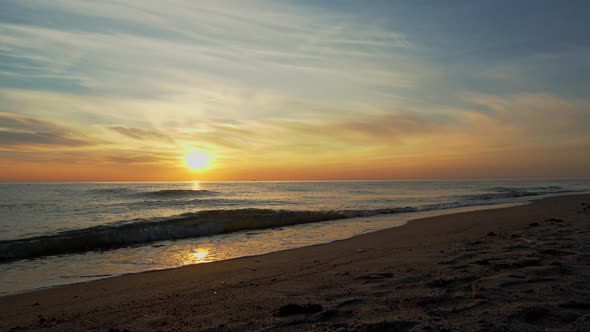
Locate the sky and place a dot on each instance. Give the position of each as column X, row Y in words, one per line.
column 293, row 90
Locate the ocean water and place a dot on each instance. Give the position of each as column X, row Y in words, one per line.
column 60, row 233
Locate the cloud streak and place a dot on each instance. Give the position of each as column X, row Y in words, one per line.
column 230, row 38
column 17, row 131
column 142, row 134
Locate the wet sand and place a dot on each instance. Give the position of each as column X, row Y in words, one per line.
column 523, row 268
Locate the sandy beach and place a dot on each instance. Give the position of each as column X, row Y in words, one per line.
column 518, row 269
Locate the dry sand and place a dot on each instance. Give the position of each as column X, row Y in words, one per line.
column 443, row 273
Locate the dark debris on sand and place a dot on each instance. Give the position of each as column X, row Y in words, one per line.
column 299, row 309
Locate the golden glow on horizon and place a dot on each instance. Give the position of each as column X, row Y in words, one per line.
column 197, row 161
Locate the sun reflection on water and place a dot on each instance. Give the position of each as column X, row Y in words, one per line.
column 200, row 254
column 196, row 185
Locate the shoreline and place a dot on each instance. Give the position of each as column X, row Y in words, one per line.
column 358, row 265
column 411, row 216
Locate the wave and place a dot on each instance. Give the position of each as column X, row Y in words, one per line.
column 164, row 193
column 157, row 204
column 507, row 192
column 195, row 224
column 111, row 191
column 122, row 234
column 175, row 193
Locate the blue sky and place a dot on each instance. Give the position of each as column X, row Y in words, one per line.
column 479, row 80
column 545, row 41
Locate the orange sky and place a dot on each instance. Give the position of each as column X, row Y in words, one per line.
column 290, row 91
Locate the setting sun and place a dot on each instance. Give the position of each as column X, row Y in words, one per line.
column 197, row 161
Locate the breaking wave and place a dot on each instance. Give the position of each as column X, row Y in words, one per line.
column 505, row 192
column 203, row 223
column 164, row 193
column 176, row 193
column 107, row 191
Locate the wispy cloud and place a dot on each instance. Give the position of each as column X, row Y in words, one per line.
column 258, row 44
column 17, row 131
column 539, row 117
column 142, row 134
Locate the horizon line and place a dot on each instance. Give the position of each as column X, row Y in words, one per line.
column 308, row 180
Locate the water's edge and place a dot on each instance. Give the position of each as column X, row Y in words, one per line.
column 413, row 216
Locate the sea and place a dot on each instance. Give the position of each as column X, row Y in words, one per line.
column 61, row 233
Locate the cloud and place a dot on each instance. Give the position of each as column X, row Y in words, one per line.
column 136, row 158
column 142, row 134
column 149, row 49
column 18, row 131
column 390, row 126
column 377, row 129
column 92, row 158
column 537, row 116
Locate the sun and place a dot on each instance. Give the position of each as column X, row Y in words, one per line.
column 197, row 161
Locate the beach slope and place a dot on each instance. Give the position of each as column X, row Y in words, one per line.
column 520, row 268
